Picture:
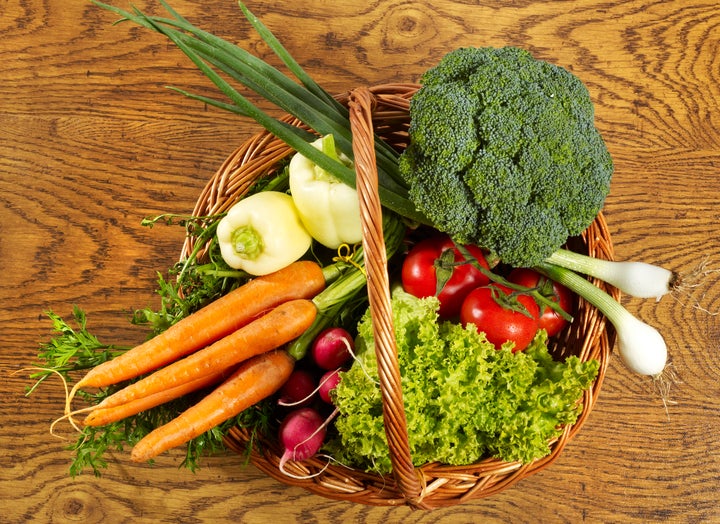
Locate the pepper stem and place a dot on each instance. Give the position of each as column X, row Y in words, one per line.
column 247, row 242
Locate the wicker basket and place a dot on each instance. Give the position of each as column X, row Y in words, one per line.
column 384, row 111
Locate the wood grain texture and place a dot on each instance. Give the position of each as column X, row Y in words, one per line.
column 91, row 142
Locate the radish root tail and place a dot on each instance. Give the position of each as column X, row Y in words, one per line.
column 320, row 428
column 304, row 477
column 286, row 404
column 359, row 362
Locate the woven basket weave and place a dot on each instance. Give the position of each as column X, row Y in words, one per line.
column 383, row 111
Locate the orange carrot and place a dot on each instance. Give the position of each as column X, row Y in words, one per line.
column 269, row 331
column 103, row 416
column 303, row 279
column 255, row 380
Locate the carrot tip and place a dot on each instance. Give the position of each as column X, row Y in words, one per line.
column 69, row 395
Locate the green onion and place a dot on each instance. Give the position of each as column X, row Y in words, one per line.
column 307, row 102
column 641, row 347
column 637, row 279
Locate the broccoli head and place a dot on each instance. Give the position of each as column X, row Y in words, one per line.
column 504, row 153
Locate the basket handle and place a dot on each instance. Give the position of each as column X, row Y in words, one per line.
column 361, row 104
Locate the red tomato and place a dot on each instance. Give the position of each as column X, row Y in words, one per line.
column 549, row 319
column 420, row 275
column 500, row 322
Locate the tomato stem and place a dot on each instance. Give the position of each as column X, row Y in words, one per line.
column 499, row 279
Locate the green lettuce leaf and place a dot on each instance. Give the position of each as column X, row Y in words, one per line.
column 464, row 400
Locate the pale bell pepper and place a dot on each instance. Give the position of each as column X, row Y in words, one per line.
column 262, row 233
column 329, row 208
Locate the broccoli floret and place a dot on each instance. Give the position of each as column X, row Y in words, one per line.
column 504, row 153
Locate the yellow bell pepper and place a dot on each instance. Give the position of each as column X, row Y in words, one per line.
column 262, row 233
column 329, row 209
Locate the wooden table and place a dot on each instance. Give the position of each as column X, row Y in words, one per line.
column 91, row 142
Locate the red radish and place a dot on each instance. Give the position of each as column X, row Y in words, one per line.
column 328, row 382
column 298, row 390
column 302, row 432
column 332, row 348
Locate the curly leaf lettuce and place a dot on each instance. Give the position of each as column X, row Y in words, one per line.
column 464, row 400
